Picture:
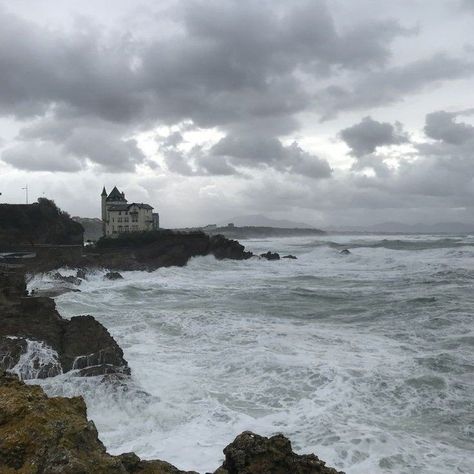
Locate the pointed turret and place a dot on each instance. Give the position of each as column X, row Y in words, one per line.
column 104, row 192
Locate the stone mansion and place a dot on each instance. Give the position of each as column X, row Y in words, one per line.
column 119, row 216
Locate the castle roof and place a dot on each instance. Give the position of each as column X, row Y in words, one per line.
column 126, row 207
column 116, row 195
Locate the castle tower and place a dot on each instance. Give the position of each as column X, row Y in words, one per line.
column 104, row 209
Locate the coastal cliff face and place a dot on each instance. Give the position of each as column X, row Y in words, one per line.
column 40, row 435
column 156, row 249
column 32, row 327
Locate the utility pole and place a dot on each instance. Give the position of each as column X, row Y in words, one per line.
column 26, row 192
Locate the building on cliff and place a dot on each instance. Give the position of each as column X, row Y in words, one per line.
column 119, row 216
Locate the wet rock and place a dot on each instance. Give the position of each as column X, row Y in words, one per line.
column 67, row 279
column 292, row 257
column 81, row 339
column 113, row 276
column 11, row 350
column 270, row 255
column 81, row 273
column 53, row 435
column 250, row 453
column 345, row 252
column 222, row 247
column 54, row 292
column 87, row 344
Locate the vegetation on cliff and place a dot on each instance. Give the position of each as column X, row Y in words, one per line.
column 39, row 223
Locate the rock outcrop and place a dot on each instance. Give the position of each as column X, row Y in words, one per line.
column 156, row 249
column 52, row 435
column 81, row 343
column 113, row 276
column 270, row 255
column 250, row 453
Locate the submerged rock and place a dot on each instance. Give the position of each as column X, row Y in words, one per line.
column 345, row 252
column 270, row 255
column 292, row 257
column 113, row 276
column 250, row 453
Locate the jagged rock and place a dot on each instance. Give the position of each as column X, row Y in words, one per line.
column 221, row 248
column 81, row 273
column 12, row 285
column 88, row 345
column 67, row 279
column 292, row 257
column 52, row 435
column 113, row 276
column 11, row 350
column 250, row 453
column 270, row 255
column 81, row 342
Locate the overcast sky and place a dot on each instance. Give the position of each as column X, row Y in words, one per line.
column 341, row 112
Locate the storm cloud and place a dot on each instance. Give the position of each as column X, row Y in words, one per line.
column 258, row 99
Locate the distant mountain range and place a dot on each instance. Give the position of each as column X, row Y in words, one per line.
column 258, row 220
column 398, row 227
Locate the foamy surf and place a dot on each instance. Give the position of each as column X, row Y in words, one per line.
column 365, row 359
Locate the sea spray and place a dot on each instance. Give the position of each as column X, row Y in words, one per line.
column 38, row 361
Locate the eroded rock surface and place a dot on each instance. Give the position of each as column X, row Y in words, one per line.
column 40, row 435
column 250, row 453
column 81, row 342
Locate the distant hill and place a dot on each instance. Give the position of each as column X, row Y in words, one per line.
column 92, row 227
column 257, row 232
column 258, row 220
column 400, row 228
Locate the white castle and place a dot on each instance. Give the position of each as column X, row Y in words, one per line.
column 118, row 216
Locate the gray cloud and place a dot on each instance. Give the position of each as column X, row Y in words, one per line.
column 364, row 138
column 41, row 157
column 207, row 68
column 441, row 125
column 393, row 84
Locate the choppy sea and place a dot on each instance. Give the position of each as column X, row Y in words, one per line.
column 366, row 359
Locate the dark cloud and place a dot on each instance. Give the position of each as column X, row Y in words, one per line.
column 233, row 65
column 364, row 138
column 393, row 84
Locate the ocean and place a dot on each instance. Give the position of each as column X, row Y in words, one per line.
column 366, row 359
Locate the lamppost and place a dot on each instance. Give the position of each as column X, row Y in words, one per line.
column 26, row 192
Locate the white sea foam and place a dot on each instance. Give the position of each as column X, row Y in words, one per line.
column 365, row 359
column 39, row 360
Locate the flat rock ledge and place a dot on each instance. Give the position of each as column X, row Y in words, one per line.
column 43, row 435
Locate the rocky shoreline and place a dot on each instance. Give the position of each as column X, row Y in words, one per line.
column 39, row 434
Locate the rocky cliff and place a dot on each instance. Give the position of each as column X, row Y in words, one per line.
column 41, row 435
column 32, row 325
